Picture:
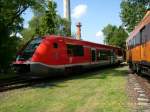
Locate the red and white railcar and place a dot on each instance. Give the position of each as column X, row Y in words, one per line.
column 52, row 53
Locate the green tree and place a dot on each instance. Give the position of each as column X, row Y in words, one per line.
column 46, row 22
column 115, row 35
column 132, row 11
column 32, row 31
column 63, row 27
column 52, row 23
column 11, row 23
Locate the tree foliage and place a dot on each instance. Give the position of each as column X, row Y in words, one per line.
column 132, row 11
column 47, row 22
column 51, row 23
column 11, row 23
column 64, row 26
column 115, row 35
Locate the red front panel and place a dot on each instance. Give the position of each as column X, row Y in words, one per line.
column 47, row 54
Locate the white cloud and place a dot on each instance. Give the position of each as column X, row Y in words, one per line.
column 79, row 11
column 99, row 34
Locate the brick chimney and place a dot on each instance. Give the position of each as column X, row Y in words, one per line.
column 78, row 32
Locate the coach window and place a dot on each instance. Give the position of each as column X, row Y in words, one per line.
column 148, row 31
column 55, row 45
column 142, row 34
column 134, row 42
column 75, row 50
column 104, row 55
column 138, row 39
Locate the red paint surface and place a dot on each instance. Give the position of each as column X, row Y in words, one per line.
column 45, row 53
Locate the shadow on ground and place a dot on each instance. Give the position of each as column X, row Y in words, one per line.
column 95, row 73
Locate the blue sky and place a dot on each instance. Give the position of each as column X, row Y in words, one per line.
column 94, row 15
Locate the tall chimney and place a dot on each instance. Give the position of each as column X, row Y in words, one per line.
column 78, row 33
column 67, row 12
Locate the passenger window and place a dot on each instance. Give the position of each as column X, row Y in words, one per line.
column 55, row 45
column 143, row 34
column 103, row 55
column 148, row 31
column 75, row 50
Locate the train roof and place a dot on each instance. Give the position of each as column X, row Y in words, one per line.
column 80, row 42
column 143, row 22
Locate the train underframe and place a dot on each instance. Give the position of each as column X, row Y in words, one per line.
column 140, row 67
column 41, row 69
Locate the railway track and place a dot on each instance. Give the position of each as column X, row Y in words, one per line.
column 20, row 82
column 139, row 88
column 145, row 83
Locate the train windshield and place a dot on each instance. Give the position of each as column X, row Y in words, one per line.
column 33, row 45
column 29, row 50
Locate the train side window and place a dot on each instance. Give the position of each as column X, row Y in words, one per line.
column 134, row 41
column 142, row 34
column 75, row 50
column 131, row 43
column 148, row 31
column 104, row 54
column 55, row 45
column 137, row 39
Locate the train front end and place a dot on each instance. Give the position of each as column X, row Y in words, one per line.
column 24, row 57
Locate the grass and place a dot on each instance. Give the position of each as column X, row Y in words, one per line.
column 99, row 91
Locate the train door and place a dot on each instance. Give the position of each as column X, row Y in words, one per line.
column 112, row 57
column 93, row 55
